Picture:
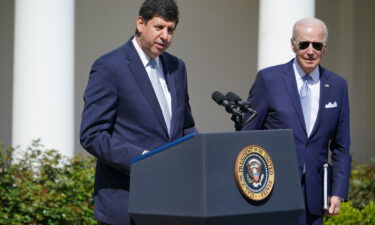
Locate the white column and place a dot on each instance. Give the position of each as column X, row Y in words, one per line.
column 43, row 84
column 276, row 19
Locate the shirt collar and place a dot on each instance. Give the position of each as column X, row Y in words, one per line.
column 144, row 58
column 315, row 75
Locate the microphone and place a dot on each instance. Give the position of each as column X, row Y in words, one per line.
column 244, row 106
column 222, row 100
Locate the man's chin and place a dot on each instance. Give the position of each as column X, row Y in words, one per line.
column 158, row 52
column 310, row 64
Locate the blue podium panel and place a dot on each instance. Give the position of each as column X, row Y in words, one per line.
column 192, row 182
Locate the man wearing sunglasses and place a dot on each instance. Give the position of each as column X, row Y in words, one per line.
column 312, row 101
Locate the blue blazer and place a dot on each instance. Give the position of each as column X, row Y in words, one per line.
column 275, row 97
column 122, row 117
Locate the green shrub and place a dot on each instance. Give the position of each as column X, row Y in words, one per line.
column 369, row 214
column 45, row 188
column 361, row 208
column 362, row 185
column 350, row 215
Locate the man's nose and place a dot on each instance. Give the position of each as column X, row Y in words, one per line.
column 164, row 34
column 310, row 49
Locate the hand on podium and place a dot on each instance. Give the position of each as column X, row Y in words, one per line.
column 144, row 152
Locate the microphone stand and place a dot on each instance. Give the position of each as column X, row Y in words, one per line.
column 251, row 117
column 237, row 119
column 244, row 107
column 233, row 104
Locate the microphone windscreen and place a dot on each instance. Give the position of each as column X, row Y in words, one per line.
column 218, row 97
column 233, row 97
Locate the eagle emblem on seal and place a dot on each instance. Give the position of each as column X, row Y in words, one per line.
column 254, row 172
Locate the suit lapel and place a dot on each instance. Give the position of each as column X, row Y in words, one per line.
column 325, row 88
column 169, row 77
column 292, row 90
column 140, row 75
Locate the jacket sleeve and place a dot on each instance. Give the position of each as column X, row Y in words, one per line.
column 99, row 117
column 189, row 124
column 339, row 145
column 258, row 101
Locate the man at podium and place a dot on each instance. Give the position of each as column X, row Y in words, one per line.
column 312, row 101
column 136, row 100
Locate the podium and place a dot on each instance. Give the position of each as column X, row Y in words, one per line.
column 192, row 181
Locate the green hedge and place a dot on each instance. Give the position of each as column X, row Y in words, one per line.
column 45, row 188
column 360, row 210
column 350, row 215
column 362, row 185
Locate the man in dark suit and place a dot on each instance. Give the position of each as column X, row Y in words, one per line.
column 136, row 100
column 312, row 101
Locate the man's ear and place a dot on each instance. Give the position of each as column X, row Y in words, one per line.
column 324, row 49
column 293, row 46
column 140, row 24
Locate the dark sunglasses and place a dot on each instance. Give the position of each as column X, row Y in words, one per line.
column 302, row 45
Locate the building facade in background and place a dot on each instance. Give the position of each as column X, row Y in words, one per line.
column 222, row 48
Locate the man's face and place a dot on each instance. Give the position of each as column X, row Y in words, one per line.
column 155, row 36
column 309, row 57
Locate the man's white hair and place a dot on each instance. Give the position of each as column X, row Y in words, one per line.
column 310, row 21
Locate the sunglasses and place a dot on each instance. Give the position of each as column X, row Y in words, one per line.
column 302, row 45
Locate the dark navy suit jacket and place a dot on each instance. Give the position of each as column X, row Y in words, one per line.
column 122, row 118
column 275, row 97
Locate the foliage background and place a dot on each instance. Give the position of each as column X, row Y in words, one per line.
column 360, row 210
column 45, row 188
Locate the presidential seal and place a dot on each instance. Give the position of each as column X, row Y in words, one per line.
column 254, row 172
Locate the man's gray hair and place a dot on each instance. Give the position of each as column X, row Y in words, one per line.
column 310, row 21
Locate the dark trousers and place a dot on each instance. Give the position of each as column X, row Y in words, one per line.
column 307, row 218
column 131, row 222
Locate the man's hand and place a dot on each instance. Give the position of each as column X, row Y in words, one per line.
column 334, row 206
